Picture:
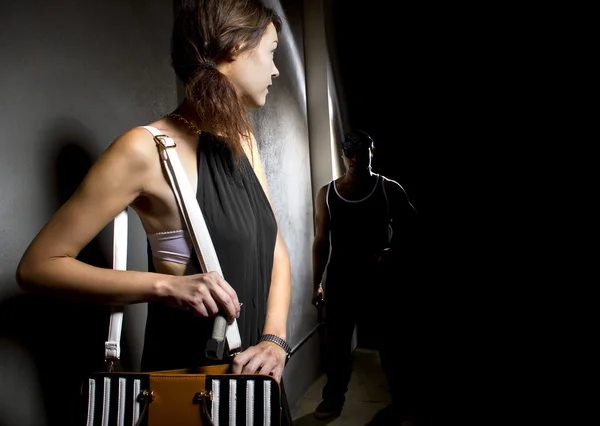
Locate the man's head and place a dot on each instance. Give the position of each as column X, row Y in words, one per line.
column 357, row 139
column 357, row 150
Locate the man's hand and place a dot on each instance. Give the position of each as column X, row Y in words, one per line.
column 384, row 255
column 318, row 297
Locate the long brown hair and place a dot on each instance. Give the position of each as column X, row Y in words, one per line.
column 206, row 31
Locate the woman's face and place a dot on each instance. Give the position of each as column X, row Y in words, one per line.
column 253, row 71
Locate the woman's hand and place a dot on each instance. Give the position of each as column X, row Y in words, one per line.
column 264, row 358
column 203, row 294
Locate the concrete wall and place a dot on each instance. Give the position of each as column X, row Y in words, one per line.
column 74, row 76
column 284, row 143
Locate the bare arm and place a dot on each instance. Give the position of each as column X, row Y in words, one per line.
column 268, row 357
column 404, row 218
column 321, row 243
column 49, row 265
column 278, row 304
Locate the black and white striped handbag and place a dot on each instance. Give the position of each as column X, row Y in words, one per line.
column 182, row 398
column 204, row 396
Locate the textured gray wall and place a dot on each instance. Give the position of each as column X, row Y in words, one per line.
column 74, row 76
column 282, row 134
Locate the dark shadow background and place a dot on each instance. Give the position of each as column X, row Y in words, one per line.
column 415, row 78
column 66, row 339
column 86, row 324
column 458, row 98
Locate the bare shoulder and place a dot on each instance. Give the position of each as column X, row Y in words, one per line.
column 251, row 151
column 253, row 154
column 321, row 199
column 397, row 194
column 137, row 145
column 323, row 191
column 392, row 187
column 253, row 142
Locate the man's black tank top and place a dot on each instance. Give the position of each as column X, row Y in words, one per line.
column 243, row 230
column 359, row 230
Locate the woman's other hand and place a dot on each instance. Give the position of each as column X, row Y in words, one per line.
column 263, row 358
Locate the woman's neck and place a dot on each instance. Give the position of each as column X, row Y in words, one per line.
column 187, row 110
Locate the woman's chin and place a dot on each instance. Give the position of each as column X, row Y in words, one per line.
column 256, row 103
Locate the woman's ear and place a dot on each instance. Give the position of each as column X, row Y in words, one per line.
column 237, row 49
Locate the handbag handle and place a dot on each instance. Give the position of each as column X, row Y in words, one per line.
column 201, row 241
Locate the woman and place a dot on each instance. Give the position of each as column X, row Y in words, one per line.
column 223, row 51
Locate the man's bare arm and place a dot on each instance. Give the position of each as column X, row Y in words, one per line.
column 321, row 243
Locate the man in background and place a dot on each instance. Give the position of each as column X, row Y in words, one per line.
column 364, row 241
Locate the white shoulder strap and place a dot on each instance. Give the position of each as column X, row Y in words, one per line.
column 199, row 234
column 194, row 220
column 188, row 205
column 112, row 347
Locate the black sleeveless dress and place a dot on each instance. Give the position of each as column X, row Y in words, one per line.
column 243, row 230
